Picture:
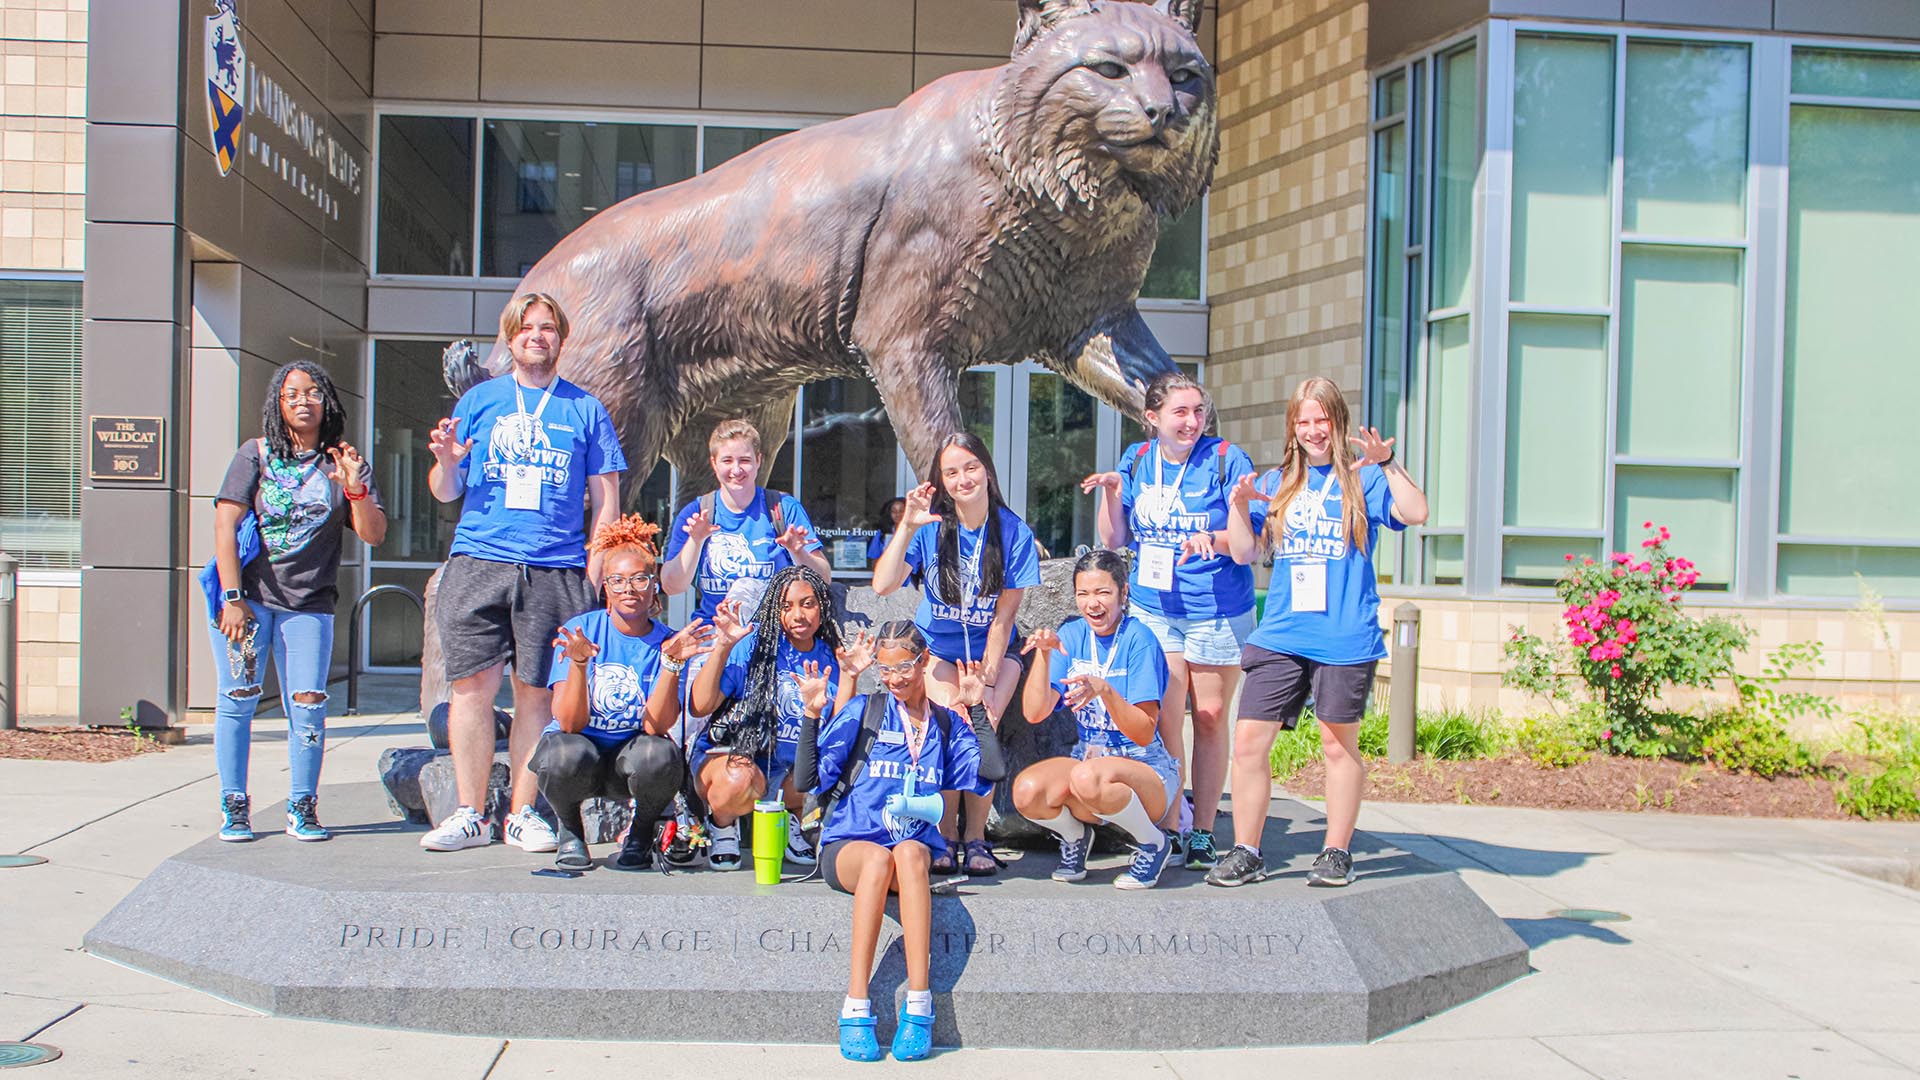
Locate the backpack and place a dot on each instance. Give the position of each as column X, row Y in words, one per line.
column 779, row 519
column 871, row 715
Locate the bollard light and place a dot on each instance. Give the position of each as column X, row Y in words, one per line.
column 9, row 637
column 1404, row 690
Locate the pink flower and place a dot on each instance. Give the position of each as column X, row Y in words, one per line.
column 1580, row 635
column 1587, row 561
column 1569, row 556
column 1622, row 557
column 1649, row 543
column 1607, row 735
column 1606, row 599
column 1646, row 524
column 1617, row 572
column 1614, row 671
column 1626, row 631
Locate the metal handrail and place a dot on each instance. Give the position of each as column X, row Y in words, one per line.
column 353, row 637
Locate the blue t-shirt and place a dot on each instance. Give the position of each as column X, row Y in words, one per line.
column 786, row 660
column 877, row 546
column 957, row 634
column 945, row 765
column 571, row 440
column 1165, row 505
column 1135, row 666
column 618, row 680
column 743, row 548
column 1348, row 631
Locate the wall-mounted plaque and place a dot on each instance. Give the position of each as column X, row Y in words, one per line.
column 127, row 448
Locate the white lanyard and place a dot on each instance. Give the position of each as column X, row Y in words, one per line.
column 520, row 399
column 1326, row 489
column 914, row 746
column 1160, row 464
column 1113, row 651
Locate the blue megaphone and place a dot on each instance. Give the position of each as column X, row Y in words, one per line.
column 927, row 808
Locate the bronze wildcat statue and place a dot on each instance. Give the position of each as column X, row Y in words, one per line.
column 991, row 217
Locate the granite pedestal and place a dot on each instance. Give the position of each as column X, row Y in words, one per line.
column 370, row 929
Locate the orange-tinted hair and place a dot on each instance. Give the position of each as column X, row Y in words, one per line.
column 631, row 532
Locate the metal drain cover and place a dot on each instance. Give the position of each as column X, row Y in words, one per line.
column 1590, row 915
column 8, row 862
column 19, row 1055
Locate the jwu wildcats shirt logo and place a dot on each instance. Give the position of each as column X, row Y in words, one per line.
column 226, row 64
column 970, row 611
column 615, row 698
column 1160, row 510
column 1316, row 527
column 1093, row 716
column 518, row 439
column 730, row 556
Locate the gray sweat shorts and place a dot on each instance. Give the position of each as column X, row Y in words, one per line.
column 489, row 612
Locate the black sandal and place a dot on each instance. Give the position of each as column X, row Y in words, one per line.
column 980, row 860
column 943, row 864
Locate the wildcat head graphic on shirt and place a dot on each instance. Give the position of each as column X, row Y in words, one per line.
column 727, row 558
column 1160, row 515
column 1316, row 525
column 615, row 698
column 294, row 500
column 973, row 609
column 521, row 439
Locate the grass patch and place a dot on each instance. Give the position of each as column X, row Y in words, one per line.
column 1448, row 735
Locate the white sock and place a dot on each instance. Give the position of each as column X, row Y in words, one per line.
column 1064, row 825
column 1133, row 817
column 920, row 1002
column 1249, row 847
column 856, row 1007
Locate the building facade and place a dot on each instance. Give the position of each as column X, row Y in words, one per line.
column 1589, row 268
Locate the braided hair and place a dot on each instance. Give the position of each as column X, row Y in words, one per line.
column 273, row 422
column 753, row 718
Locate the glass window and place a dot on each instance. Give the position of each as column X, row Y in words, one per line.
column 654, row 500
column 394, row 628
column 1686, row 153
column 1850, row 73
column 1681, row 312
column 1392, row 97
column 848, row 450
column 426, row 195
column 40, row 431
column 1388, row 342
column 410, row 397
column 1174, row 273
column 544, row 178
column 1697, row 504
column 1562, row 171
column 1848, row 440
column 1060, row 452
column 719, row 144
column 1456, row 150
column 1556, row 439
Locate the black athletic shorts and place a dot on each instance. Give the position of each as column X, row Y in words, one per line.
column 489, row 612
column 1279, row 686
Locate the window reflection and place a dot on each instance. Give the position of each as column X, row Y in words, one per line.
column 542, row 179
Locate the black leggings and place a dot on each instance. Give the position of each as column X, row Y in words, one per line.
column 573, row 768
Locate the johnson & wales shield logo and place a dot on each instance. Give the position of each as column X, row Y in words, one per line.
column 226, row 84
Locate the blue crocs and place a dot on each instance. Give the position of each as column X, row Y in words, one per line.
column 857, row 1042
column 913, row 1039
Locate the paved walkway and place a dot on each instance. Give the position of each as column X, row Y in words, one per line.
column 1750, row 952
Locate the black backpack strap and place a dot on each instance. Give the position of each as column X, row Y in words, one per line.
column 774, row 513
column 1139, row 455
column 871, row 715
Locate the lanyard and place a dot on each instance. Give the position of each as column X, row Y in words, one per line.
column 520, row 399
column 1320, row 500
column 914, row 746
column 969, row 590
column 1113, row 651
column 1160, row 465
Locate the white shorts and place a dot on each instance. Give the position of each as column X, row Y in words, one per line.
column 1215, row 642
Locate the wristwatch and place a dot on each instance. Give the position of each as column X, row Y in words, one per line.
column 668, row 663
column 230, row 596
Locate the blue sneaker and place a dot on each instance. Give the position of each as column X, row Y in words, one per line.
column 1073, row 855
column 1144, row 871
column 913, row 1039
column 236, row 819
column 303, row 820
column 857, row 1042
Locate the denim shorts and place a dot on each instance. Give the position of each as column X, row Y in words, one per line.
column 1154, row 757
column 1215, row 641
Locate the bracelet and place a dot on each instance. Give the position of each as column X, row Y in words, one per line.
column 669, row 664
column 351, row 497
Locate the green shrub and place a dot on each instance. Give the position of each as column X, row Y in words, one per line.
column 1293, row 750
column 1892, row 793
column 1757, row 743
column 1561, row 740
column 1459, row 736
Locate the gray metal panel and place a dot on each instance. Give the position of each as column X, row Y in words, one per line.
column 134, row 50
column 129, row 368
column 419, row 311
column 1398, row 27
column 1736, row 14
column 1609, row 10
column 131, row 618
column 127, row 527
column 1868, row 18
column 123, row 161
column 130, row 271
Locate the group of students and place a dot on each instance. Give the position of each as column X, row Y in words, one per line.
column 758, row 692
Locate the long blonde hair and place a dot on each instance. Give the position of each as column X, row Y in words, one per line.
column 1293, row 465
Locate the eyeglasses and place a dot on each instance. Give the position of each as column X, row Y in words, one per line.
column 899, row 669
column 627, row 581
column 312, row 393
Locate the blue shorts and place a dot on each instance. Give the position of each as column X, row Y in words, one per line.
column 1214, row 642
column 1154, row 757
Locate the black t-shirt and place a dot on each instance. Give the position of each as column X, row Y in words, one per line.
column 303, row 516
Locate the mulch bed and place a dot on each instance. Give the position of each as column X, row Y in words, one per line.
column 1599, row 783
column 74, row 744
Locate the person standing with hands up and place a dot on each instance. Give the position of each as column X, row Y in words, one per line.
column 1320, row 513
column 523, row 454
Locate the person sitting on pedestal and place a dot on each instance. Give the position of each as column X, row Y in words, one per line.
column 1107, row 666
column 616, row 677
column 748, row 748
column 880, row 764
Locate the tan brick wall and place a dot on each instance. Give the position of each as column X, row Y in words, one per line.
column 1287, row 226
column 43, row 108
column 49, row 655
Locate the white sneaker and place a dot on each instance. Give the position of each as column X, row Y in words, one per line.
column 464, row 828
column 799, row 851
column 724, row 854
column 529, row 831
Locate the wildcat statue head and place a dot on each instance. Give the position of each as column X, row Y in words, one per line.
column 1107, row 99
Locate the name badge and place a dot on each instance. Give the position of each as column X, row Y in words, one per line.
column 523, row 487
column 1309, row 586
column 891, row 738
column 1156, row 566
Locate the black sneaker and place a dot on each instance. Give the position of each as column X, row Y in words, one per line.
column 1200, row 851
column 637, row 852
column 1332, row 869
column 1237, row 867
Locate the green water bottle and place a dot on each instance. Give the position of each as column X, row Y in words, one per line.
column 769, row 840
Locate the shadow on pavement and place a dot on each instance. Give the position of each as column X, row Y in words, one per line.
column 1537, row 932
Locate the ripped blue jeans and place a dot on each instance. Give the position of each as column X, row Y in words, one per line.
column 301, row 645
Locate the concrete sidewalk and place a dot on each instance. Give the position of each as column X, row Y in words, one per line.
column 1753, row 950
